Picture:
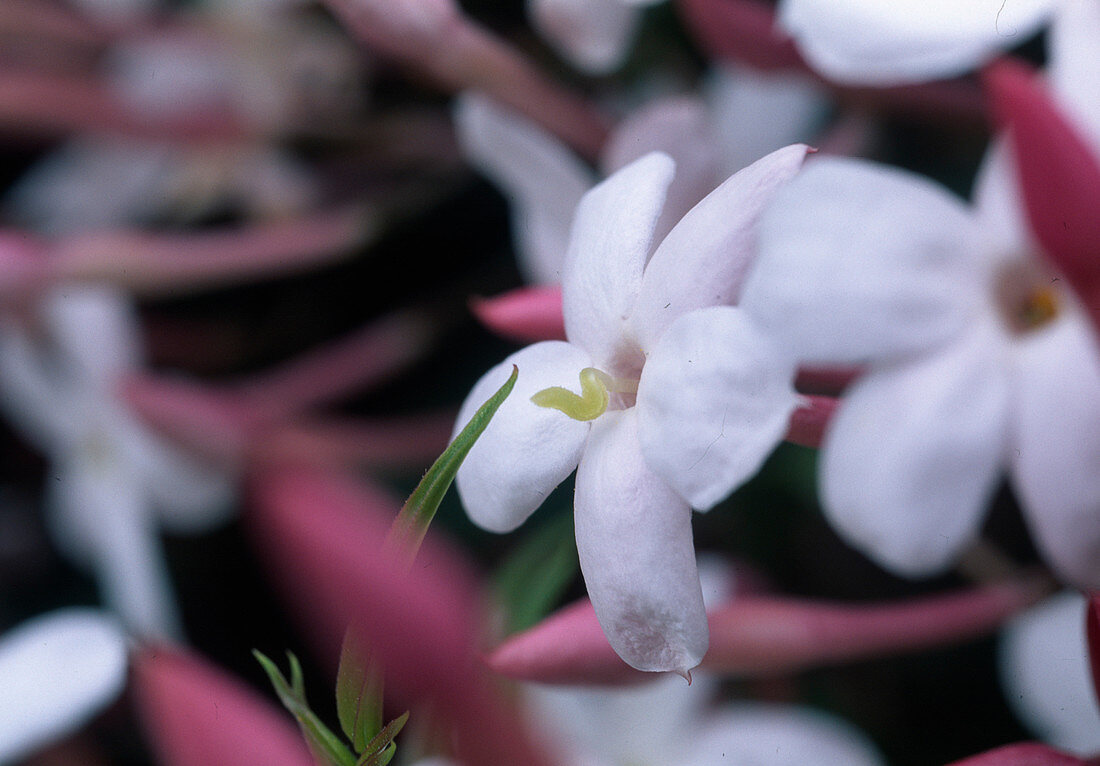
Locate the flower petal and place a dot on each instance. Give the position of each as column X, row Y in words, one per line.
column 636, row 552
column 779, row 735
column 849, row 267
column 1056, row 409
column 1045, row 673
column 541, row 178
column 703, row 260
column 681, row 127
column 59, row 669
column 874, row 43
column 644, row 723
column 96, row 326
column 190, row 495
column 100, row 518
column 1074, row 67
column 713, row 402
column 32, row 396
column 527, row 450
column 608, row 248
column 593, row 35
column 913, row 455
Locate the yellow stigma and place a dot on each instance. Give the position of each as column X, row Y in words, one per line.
column 589, row 405
column 1039, row 308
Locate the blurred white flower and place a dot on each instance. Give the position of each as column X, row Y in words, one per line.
column 685, row 399
column 870, row 42
column 981, row 357
column 745, row 115
column 111, row 483
column 58, row 670
column 1045, row 672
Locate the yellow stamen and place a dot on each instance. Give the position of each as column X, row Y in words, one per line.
column 589, row 405
column 1039, row 308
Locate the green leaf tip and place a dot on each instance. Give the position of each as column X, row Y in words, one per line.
column 359, row 683
column 326, row 747
column 412, row 522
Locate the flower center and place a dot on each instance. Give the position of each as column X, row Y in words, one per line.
column 1028, row 297
column 598, row 391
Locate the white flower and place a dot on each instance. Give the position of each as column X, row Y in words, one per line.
column 686, row 399
column 1045, row 673
column 745, row 115
column 58, row 670
column 593, row 35
column 111, row 482
column 892, row 43
column 981, row 359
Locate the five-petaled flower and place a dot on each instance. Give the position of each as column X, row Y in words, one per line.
column 683, row 399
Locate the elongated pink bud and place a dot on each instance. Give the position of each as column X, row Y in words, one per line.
column 808, row 423
column 1059, row 176
column 1093, row 632
column 526, row 315
column 163, row 264
column 323, row 535
column 197, row 715
column 754, row 635
column 1022, row 754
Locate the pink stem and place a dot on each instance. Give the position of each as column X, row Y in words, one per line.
column 395, row 442
column 41, row 105
column 441, row 43
column 366, row 358
column 163, row 264
column 1093, row 632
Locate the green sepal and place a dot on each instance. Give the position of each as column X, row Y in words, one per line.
column 412, row 522
column 326, row 747
column 359, row 683
column 380, row 750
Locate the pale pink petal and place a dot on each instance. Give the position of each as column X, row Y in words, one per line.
column 592, row 34
column 874, row 43
column 636, row 552
column 59, row 670
column 1074, row 66
column 527, row 450
column 713, row 402
column 541, row 178
column 703, row 260
column 187, row 494
column 999, row 207
column 198, row 715
column 32, row 396
column 759, row 112
column 849, row 267
column 100, row 517
column 915, row 452
column 680, row 127
column 611, row 239
column 96, row 328
column 1056, row 443
column 1044, row 667
column 778, row 735
column 527, row 314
